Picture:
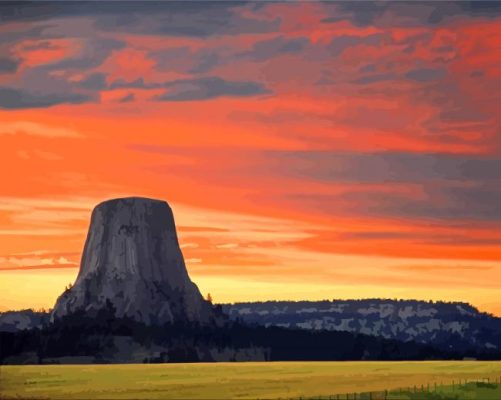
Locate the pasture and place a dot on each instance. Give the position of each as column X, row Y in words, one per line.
column 271, row 380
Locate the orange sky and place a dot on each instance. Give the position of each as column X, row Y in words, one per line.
column 309, row 151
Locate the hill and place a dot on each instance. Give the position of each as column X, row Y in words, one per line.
column 453, row 325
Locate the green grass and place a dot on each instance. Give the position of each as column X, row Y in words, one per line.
column 238, row 380
column 468, row 391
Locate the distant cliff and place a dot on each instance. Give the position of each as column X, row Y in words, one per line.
column 447, row 325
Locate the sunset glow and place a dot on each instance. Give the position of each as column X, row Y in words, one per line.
column 308, row 150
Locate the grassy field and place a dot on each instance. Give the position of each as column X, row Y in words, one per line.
column 235, row 380
column 466, row 391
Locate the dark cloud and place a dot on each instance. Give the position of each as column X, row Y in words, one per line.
column 95, row 81
column 451, row 186
column 11, row 98
column 444, row 204
column 186, row 60
column 426, row 74
column 94, row 52
column 341, row 43
column 457, row 110
column 39, row 86
column 444, row 49
column 40, row 45
column 361, row 13
column 174, row 18
column 367, row 68
column 206, row 18
column 209, row 88
column 367, row 79
column 41, row 10
column 473, row 202
column 266, row 49
column 200, row 61
column 464, row 115
column 479, row 200
column 194, row 19
column 477, row 74
column 8, row 65
column 15, row 34
column 473, row 8
column 135, row 84
column 384, row 167
column 445, row 187
column 421, row 237
column 127, row 98
column 196, row 89
column 205, row 63
column 412, row 13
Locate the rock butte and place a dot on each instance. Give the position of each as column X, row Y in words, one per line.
column 132, row 260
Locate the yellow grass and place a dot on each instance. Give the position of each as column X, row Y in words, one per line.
column 230, row 380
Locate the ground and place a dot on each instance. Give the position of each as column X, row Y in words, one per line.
column 240, row 380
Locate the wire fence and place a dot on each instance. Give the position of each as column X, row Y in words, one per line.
column 430, row 391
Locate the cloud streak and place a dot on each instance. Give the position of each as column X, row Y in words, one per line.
column 209, row 88
column 11, row 99
column 36, row 129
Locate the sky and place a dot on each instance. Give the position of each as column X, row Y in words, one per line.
column 308, row 150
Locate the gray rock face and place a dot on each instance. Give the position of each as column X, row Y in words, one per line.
column 132, row 260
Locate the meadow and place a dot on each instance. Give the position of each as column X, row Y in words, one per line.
column 271, row 380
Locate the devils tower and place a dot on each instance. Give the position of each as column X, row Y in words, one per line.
column 132, row 261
